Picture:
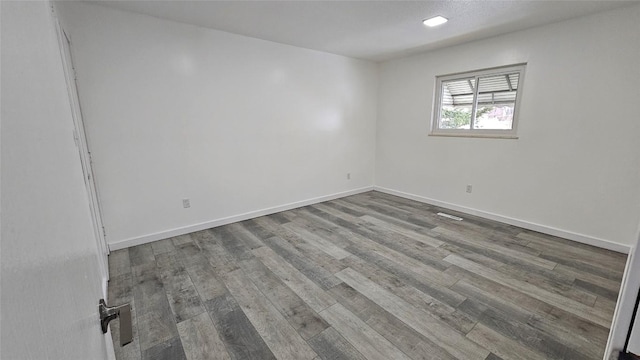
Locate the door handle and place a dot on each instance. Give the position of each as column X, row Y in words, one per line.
column 124, row 313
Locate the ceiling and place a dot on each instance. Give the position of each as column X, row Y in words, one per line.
column 371, row 30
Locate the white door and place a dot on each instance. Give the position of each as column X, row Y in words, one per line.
column 85, row 154
column 625, row 307
column 49, row 256
column 634, row 340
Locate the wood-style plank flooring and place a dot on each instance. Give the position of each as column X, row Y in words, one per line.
column 370, row 276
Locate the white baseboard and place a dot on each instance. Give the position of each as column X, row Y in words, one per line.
column 581, row 238
column 139, row 240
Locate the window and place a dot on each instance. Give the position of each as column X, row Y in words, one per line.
column 481, row 103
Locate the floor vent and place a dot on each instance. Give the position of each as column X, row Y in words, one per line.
column 450, row 216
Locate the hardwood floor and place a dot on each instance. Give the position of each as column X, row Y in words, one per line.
column 370, row 276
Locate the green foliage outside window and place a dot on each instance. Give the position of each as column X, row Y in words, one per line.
column 458, row 118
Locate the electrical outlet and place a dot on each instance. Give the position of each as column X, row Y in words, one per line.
column 186, row 203
column 469, row 189
column 348, row 176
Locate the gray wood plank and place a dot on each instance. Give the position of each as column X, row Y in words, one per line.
column 306, row 289
column 318, row 241
column 417, row 266
column 366, row 340
column 279, row 218
column 217, row 255
column 552, row 245
column 551, row 326
column 541, row 277
column 609, row 284
column 283, row 340
column 428, row 213
column 406, row 339
column 561, row 321
column 167, row 350
column 596, row 290
column 247, row 237
column 387, row 244
column 415, row 297
column 299, row 315
column 550, row 346
column 231, row 242
column 524, row 257
column 322, row 277
column 493, row 356
column 339, row 205
column 190, row 253
column 181, row 240
column 397, row 241
column 200, row 339
column 483, row 233
column 320, row 226
column 501, row 345
column 352, row 300
column 120, row 289
column 241, row 339
column 155, row 319
column 409, row 222
column 423, row 322
column 119, row 263
column 559, row 301
column 330, row 345
column 545, row 326
column 510, row 307
column 425, row 239
column 389, row 211
column 257, row 229
column 162, row 246
column 141, row 254
column 207, row 283
column 408, row 276
column 319, row 257
column 504, row 293
column 584, row 265
column 606, row 306
column 182, row 295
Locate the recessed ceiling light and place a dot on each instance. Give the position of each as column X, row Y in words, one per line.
column 435, row 21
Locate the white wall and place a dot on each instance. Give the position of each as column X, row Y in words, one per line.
column 576, row 165
column 236, row 124
column 50, row 280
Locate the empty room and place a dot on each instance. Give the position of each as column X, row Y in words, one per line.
column 320, row 180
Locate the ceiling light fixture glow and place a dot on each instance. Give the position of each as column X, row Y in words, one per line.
column 435, row 21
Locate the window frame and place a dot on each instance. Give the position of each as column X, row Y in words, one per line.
column 435, row 129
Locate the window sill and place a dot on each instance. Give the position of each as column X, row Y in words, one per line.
column 467, row 135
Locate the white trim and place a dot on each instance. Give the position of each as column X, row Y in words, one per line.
column 105, row 286
column 111, row 351
column 581, row 238
column 619, row 325
column 626, row 301
column 139, row 240
column 436, row 130
column 482, row 136
column 81, row 143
